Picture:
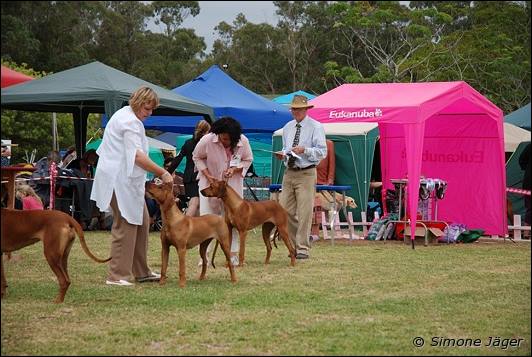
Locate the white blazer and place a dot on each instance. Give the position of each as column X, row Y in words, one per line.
column 116, row 171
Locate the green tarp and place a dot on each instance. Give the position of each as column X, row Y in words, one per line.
column 92, row 88
column 155, row 153
column 514, row 179
column 354, row 145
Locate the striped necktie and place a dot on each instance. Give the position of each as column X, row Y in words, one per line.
column 292, row 159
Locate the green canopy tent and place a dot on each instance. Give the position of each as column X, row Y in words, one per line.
column 354, row 146
column 92, row 88
column 514, row 179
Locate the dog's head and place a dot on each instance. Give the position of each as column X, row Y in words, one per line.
column 350, row 202
column 161, row 192
column 217, row 188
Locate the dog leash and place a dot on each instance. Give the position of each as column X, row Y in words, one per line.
column 252, row 193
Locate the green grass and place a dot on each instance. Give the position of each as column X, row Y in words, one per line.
column 365, row 298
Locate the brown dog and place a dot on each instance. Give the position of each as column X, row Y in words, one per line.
column 55, row 229
column 184, row 232
column 245, row 215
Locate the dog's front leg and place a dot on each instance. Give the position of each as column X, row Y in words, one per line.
column 242, row 251
column 165, row 253
column 182, row 251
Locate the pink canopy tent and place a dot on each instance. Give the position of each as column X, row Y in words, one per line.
column 11, row 77
column 443, row 130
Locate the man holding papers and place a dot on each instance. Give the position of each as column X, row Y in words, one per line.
column 304, row 147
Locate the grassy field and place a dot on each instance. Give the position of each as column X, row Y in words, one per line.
column 364, row 298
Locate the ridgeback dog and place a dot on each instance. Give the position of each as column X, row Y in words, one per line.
column 184, row 232
column 245, row 215
column 57, row 231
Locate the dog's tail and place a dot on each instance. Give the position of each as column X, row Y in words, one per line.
column 74, row 224
column 275, row 236
column 214, row 254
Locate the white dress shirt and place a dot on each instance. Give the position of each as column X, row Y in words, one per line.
column 311, row 137
column 116, row 171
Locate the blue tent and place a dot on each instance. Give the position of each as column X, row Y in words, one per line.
column 287, row 98
column 520, row 118
column 227, row 97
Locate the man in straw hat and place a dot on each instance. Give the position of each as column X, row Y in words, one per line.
column 304, row 147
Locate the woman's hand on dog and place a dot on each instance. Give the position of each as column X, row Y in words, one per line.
column 167, row 177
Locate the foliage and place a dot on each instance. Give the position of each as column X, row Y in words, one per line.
column 315, row 46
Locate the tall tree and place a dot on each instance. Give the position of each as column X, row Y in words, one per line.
column 250, row 51
column 390, row 34
column 305, row 42
column 492, row 53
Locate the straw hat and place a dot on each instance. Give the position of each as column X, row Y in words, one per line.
column 300, row 101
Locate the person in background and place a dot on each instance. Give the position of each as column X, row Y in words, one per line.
column 30, row 200
column 325, row 176
column 85, row 164
column 6, row 154
column 190, row 178
column 68, row 157
column 304, row 137
column 119, row 185
column 224, row 153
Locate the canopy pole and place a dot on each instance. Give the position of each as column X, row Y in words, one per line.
column 55, row 144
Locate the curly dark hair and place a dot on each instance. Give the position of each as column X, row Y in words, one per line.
column 229, row 126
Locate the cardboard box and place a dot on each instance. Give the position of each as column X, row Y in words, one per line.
column 432, row 232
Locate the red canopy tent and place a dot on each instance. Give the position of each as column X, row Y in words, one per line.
column 11, row 77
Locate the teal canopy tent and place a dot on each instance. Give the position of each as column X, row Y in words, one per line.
column 520, row 118
column 287, row 98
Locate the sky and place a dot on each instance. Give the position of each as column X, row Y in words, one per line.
column 214, row 12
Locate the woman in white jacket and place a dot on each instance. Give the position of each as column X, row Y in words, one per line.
column 119, row 185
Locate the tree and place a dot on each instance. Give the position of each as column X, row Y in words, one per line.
column 305, row 42
column 250, row 51
column 390, row 35
column 492, row 53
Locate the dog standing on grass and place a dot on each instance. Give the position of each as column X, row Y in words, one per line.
column 245, row 215
column 57, row 231
column 185, row 232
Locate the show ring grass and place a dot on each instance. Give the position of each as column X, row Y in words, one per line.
column 365, row 298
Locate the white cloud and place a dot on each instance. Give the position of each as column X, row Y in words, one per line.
column 214, row 12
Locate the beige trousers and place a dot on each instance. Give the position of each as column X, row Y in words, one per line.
column 129, row 247
column 297, row 197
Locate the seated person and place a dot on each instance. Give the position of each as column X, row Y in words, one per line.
column 85, row 164
column 6, row 154
column 69, row 156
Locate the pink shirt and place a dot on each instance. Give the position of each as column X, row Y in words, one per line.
column 210, row 153
column 31, row 203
